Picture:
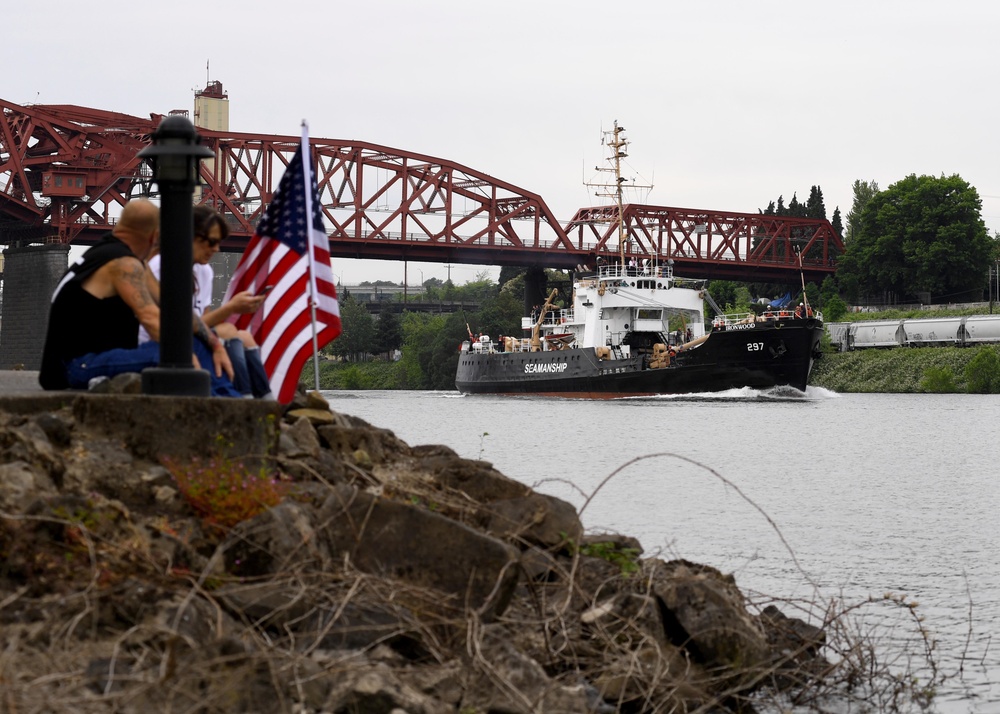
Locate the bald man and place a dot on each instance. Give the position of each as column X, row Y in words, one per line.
column 99, row 304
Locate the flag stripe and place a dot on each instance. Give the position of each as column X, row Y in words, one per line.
column 279, row 255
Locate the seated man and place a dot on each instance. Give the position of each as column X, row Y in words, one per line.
column 99, row 304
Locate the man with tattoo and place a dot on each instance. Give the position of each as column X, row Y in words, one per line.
column 99, row 304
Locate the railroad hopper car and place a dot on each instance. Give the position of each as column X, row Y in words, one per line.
column 980, row 329
column 840, row 335
column 915, row 332
column 933, row 332
column 877, row 333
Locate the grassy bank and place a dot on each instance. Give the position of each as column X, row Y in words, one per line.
column 900, row 370
column 356, row 375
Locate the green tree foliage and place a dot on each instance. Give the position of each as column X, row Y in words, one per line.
column 837, row 223
column 938, row 380
column 357, row 331
column 500, row 314
column 864, row 191
column 742, row 302
column 834, row 308
column 982, row 374
column 430, row 355
column 922, row 234
column 508, row 273
column 724, row 292
column 388, row 332
column 815, row 207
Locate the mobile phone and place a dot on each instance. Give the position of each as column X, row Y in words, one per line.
column 265, row 290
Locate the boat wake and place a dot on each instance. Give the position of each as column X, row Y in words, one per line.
column 748, row 394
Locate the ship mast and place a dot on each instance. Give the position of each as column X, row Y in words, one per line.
column 617, row 143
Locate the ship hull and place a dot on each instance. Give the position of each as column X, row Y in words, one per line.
column 757, row 355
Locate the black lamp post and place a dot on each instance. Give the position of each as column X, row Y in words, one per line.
column 175, row 155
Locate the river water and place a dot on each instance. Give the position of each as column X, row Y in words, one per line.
column 801, row 498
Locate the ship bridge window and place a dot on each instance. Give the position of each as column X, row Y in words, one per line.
column 647, row 285
column 645, row 313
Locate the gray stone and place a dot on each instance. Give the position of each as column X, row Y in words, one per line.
column 535, row 519
column 705, row 614
column 380, row 445
column 423, row 548
column 21, row 485
column 282, row 538
column 299, row 439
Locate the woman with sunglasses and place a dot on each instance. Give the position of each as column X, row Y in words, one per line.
column 210, row 229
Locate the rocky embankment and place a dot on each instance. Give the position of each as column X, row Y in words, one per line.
column 375, row 577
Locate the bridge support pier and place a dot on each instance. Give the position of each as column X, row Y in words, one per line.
column 535, row 284
column 30, row 277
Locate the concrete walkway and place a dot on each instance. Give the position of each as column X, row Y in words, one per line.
column 19, row 382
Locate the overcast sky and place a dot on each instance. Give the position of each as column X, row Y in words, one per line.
column 728, row 103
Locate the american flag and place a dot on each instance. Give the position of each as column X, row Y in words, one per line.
column 292, row 255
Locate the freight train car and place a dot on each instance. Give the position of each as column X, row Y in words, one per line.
column 981, row 329
column 933, row 332
column 916, row 332
column 877, row 333
column 840, row 335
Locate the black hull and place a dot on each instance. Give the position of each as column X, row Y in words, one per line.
column 758, row 355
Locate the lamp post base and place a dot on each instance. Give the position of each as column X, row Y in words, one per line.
column 177, row 382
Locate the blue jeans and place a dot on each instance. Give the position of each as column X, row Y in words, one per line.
column 249, row 376
column 81, row 370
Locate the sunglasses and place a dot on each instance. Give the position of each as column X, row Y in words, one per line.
column 212, row 242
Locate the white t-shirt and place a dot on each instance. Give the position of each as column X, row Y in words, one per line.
column 201, row 299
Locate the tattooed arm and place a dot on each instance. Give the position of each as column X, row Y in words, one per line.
column 128, row 278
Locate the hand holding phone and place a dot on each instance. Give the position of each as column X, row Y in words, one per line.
column 265, row 290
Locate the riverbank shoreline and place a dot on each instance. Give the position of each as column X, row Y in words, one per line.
column 377, row 574
column 897, row 370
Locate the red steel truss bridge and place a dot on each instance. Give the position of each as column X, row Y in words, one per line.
column 66, row 171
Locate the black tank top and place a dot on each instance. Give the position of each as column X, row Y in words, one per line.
column 80, row 323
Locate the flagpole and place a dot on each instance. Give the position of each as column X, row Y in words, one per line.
column 307, row 179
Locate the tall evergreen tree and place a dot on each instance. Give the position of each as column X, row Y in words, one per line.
column 815, row 207
column 794, row 207
column 864, row 192
column 838, row 226
column 388, row 332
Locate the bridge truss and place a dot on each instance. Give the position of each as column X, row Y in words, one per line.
column 66, row 171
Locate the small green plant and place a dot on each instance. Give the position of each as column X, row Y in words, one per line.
column 482, row 444
column 982, row 374
column 938, row 380
column 623, row 557
column 225, row 491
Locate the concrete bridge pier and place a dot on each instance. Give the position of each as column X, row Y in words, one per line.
column 30, row 275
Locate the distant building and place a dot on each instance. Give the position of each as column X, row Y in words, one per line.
column 380, row 293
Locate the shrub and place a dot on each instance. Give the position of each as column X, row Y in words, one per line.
column 982, row 374
column 352, row 378
column 224, row 491
column 939, row 380
column 834, row 309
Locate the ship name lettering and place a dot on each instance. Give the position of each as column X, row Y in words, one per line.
column 742, row 326
column 551, row 367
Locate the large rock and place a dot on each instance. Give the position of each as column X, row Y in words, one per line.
column 505, row 679
column 282, row 539
column 535, row 519
column 422, row 548
column 704, row 613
